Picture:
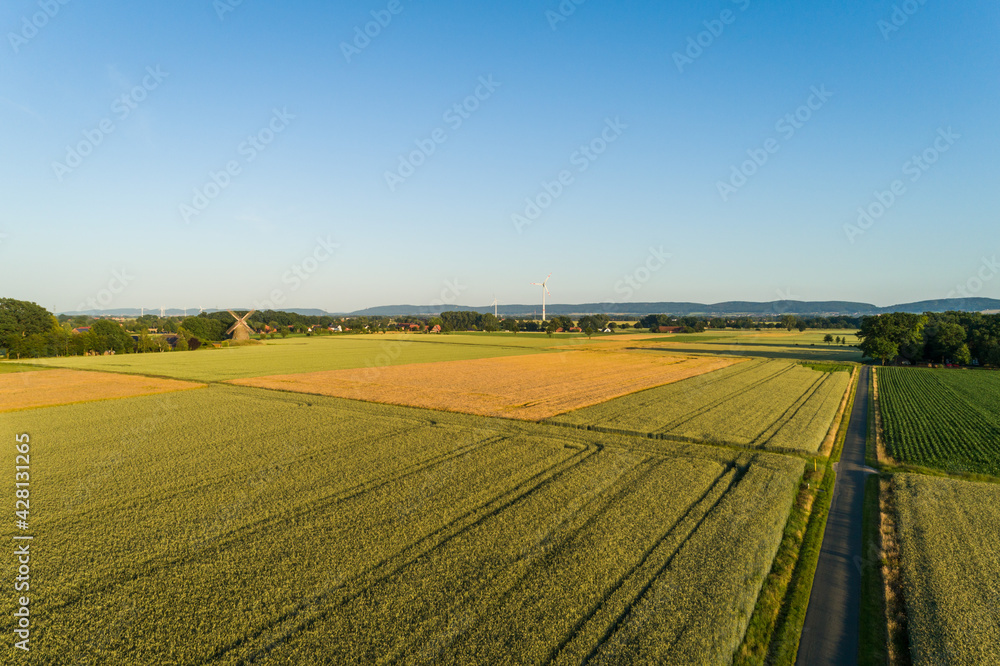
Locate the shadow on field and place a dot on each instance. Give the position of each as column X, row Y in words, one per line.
column 763, row 350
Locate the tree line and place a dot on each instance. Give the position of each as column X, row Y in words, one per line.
column 29, row 330
column 962, row 338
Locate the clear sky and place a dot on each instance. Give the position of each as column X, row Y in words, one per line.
column 681, row 176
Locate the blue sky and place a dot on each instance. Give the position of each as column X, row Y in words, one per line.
column 670, row 118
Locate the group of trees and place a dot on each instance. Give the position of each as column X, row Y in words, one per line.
column 962, row 338
column 689, row 324
column 27, row 330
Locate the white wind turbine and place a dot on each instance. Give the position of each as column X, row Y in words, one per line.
column 545, row 290
column 494, row 304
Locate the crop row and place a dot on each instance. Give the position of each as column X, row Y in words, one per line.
column 942, row 418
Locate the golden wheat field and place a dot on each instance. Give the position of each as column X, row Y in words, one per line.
column 522, row 387
column 45, row 388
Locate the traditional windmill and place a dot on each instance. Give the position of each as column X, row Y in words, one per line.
column 241, row 329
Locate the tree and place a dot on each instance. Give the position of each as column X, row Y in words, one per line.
column 110, row 336
column 945, row 340
column 653, row 321
column 511, row 325
column 962, row 356
column 900, row 332
column 20, row 319
column 205, row 328
column 883, row 349
column 551, row 328
column 801, row 325
column 829, row 338
column 594, row 322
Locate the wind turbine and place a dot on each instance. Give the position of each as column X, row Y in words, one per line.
column 545, row 290
column 494, row 304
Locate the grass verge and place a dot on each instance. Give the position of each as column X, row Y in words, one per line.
column 897, row 634
column 873, row 640
column 775, row 627
column 871, row 442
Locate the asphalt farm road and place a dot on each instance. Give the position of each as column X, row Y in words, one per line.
column 832, row 628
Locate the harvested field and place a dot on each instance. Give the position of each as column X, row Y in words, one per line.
column 45, row 388
column 523, row 387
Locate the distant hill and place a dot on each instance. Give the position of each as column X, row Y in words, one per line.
column 945, row 304
column 178, row 312
column 727, row 308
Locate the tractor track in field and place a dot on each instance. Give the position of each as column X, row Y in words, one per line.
column 381, row 571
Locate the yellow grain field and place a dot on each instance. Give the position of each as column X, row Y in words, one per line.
column 522, row 387
column 45, row 388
